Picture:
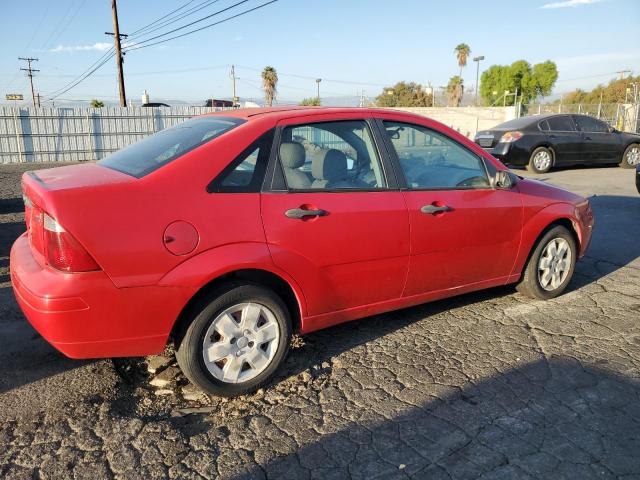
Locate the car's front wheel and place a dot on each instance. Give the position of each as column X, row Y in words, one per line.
column 235, row 341
column 550, row 266
column 631, row 156
column 541, row 160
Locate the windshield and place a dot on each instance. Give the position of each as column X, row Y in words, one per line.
column 159, row 149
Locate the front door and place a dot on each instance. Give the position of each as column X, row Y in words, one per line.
column 336, row 227
column 599, row 145
column 463, row 231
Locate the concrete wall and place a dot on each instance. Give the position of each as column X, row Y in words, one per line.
column 466, row 120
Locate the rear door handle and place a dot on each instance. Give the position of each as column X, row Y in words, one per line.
column 433, row 209
column 588, row 138
column 301, row 213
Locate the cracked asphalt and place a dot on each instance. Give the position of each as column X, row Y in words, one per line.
column 490, row 385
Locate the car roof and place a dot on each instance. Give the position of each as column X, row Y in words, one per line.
column 278, row 113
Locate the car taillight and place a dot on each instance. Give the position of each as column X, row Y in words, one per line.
column 62, row 251
column 510, row 137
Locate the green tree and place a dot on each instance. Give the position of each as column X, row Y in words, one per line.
column 269, row 85
column 310, row 102
column 462, row 52
column 96, row 103
column 404, row 94
column 455, row 90
column 531, row 82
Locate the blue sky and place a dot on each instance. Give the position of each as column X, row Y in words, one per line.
column 350, row 44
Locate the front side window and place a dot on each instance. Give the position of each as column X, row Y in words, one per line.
column 431, row 160
column 159, row 149
column 330, row 156
column 562, row 123
column 589, row 124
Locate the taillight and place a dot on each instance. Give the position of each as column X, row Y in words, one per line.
column 62, row 251
column 27, row 210
column 510, row 137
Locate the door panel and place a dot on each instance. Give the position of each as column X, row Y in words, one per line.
column 476, row 240
column 462, row 231
column 355, row 254
column 565, row 139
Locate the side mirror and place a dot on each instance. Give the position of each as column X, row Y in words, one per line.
column 504, row 180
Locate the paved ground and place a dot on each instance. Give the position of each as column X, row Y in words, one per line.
column 489, row 385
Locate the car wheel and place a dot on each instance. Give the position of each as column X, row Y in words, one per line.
column 236, row 339
column 631, row 156
column 541, row 160
column 550, row 266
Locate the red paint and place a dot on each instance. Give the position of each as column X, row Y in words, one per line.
column 159, row 239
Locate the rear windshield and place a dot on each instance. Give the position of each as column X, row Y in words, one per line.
column 157, row 150
column 515, row 123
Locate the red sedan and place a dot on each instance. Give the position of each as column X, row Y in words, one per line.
column 230, row 231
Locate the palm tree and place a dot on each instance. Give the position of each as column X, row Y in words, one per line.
column 462, row 53
column 96, row 103
column 455, row 90
column 269, row 85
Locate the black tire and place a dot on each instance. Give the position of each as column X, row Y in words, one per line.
column 190, row 342
column 531, row 166
column 530, row 284
column 625, row 156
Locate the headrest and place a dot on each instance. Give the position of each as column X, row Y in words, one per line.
column 331, row 166
column 292, row 154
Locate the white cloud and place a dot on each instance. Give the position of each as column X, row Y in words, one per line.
column 100, row 46
column 569, row 3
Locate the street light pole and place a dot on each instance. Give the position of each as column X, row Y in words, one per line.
column 318, row 80
column 477, row 60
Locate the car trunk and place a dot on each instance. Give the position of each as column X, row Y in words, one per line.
column 53, row 192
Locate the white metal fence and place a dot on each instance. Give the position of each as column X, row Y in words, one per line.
column 623, row 116
column 79, row 134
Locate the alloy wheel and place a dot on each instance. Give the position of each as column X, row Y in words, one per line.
column 633, row 156
column 241, row 342
column 554, row 264
column 542, row 160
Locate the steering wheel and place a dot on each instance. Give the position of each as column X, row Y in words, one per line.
column 473, row 182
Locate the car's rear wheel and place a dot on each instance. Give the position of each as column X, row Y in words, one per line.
column 541, row 160
column 631, row 156
column 235, row 341
column 550, row 266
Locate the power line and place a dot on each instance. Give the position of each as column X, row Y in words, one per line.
column 161, row 18
column 138, row 47
column 191, row 23
column 169, row 21
column 66, row 25
column 87, row 75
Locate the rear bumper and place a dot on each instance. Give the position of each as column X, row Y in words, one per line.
column 509, row 153
column 85, row 316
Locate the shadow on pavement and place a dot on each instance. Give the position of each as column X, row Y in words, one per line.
column 554, row 418
column 11, row 205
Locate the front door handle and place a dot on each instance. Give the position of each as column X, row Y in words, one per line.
column 588, row 138
column 301, row 213
column 433, row 209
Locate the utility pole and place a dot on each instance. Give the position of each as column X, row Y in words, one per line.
column 622, row 72
column 477, row 60
column 38, row 97
column 119, row 60
column 232, row 75
column 30, row 71
column 318, row 80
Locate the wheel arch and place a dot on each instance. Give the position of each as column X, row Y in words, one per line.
column 254, row 276
column 539, row 230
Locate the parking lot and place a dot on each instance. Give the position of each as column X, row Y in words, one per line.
column 487, row 385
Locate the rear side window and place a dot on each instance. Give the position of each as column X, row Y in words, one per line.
column 159, row 149
column 246, row 172
column 544, row 126
column 562, row 123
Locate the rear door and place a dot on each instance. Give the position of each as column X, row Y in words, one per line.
column 333, row 215
column 599, row 145
column 565, row 139
column 463, row 231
